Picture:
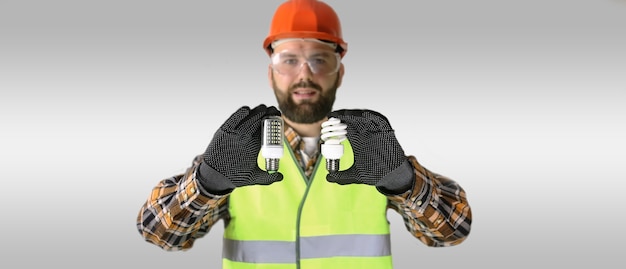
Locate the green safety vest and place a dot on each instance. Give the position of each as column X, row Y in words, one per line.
column 302, row 224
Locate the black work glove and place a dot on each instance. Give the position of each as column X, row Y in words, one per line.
column 230, row 160
column 379, row 160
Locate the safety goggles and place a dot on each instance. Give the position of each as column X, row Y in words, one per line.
column 320, row 62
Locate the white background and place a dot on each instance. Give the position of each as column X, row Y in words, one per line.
column 521, row 102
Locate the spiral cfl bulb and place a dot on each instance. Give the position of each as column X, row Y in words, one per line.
column 333, row 133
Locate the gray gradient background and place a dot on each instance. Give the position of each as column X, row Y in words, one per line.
column 521, row 102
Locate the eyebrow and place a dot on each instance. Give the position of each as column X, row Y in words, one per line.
column 286, row 53
column 317, row 53
column 321, row 53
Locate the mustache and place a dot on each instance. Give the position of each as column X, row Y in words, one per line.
column 305, row 84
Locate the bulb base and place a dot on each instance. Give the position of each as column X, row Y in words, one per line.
column 271, row 165
column 332, row 165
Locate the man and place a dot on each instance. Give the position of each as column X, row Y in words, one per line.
column 303, row 216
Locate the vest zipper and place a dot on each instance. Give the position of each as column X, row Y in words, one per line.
column 308, row 183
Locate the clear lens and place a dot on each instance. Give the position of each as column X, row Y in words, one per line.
column 320, row 62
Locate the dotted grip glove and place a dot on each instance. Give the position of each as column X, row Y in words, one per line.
column 230, row 160
column 379, row 160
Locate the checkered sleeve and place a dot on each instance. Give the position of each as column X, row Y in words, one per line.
column 179, row 211
column 436, row 210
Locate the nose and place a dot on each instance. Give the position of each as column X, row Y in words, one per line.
column 306, row 72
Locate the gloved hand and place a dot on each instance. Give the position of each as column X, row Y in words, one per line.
column 230, row 160
column 379, row 160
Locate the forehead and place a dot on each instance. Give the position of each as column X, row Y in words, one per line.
column 294, row 45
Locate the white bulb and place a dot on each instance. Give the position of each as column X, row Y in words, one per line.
column 333, row 133
column 272, row 142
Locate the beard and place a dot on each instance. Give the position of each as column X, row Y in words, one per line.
column 307, row 111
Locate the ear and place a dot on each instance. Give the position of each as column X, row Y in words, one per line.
column 341, row 72
column 269, row 74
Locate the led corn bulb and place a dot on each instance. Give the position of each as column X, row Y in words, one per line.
column 333, row 132
column 272, row 142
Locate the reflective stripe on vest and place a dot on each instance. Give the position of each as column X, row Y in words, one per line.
column 303, row 224
column 311, row 247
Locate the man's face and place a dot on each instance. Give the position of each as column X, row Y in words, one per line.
column 305, row 76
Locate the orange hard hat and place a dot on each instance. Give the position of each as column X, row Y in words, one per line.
column 306, row 19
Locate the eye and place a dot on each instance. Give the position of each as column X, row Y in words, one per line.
column 290, row 61
column 319, row 61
